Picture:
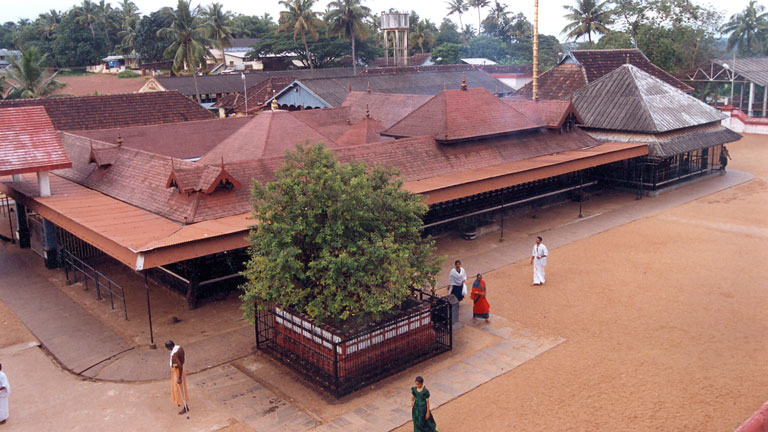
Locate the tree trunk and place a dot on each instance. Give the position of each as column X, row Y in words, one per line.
column 479, row 23
column 309, row 56
column 354, row 58
column 93, row 33
column 194, row 78
column 461, row 25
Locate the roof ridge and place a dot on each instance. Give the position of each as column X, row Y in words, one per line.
column 632, row 70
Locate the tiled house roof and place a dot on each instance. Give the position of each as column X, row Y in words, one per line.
column 389, row 108
column 597, row 63
column 28, row 142
column 257, row 95
column 113, row 111
column 550, row 112
column 557, row 83
column 455, row 115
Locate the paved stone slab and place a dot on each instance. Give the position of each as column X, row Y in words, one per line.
column 73, row 336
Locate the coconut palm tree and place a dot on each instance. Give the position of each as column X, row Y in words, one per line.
column 27, row 78
column 458, row 7
column 189, row 43
column 422, row 35
column 479, row 4
column 128, row 9
column 347, row 18
column 587, row 17
column 748, row 30
column 218, row 22
column 47, row 23
column 87, row 14
column 299, row 18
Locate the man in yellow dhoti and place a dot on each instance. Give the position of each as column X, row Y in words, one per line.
column 179, row 393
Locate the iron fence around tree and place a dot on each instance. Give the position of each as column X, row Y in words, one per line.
column 74, row 266
column 341, row 363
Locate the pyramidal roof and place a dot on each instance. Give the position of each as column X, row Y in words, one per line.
column 455, row 115
column 629, row 99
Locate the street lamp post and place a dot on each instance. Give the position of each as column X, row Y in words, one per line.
column 245, row 92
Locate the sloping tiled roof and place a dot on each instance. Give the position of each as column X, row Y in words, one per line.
column 186, row 140
column 558, row 83
column 389, row 108
column 629, row 99
column 335, row 90
column 597, row 63
column 113, row 111
column 415, row 60
column 456, row 115
column 28, row 142
column 266, row 134
column 257, row 95
column 550, row 112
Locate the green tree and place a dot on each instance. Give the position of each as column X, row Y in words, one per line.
column 347, row 18
column 458, row 7
column 87, row 14
column 27, row 77
column 447, row 33
column 74, row 45
column 747, row 30
column 252, row 26
column 189, row 44
column 147, row 44
column 587, row 17
column 339, row 242
column 447, row 53
column 422, row 36
column 478, row 4
column 300, row 19
column 218, row 22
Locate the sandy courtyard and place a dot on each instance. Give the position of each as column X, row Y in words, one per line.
column 665, row 319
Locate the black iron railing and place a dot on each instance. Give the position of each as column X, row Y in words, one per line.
column 341, row 363
column 74, row 265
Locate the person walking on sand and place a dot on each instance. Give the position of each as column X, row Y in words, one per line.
column 5, row 391
column 456, row 279
column 179, row 394
column 481, row 308
column 539, row 261
column 420, row 412
column 724, row 156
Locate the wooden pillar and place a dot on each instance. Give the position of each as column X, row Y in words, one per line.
column 751, row 99
column 741, row 97
column 194, row 283
column 50, row 249
column 765, row 99
column 22, row 228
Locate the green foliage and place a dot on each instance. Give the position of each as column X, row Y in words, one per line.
column 147, row 44
column 458, row 7
column 127, row 73
column 246, row 26
column 74, row 45
column 447, row 53
column 187, row 36
column 217, row 23
column 298, row 19
column 347, row 18
column 587, row 17
column 447, row 33
column 485, row 46
column 27, row 78
column 615, row 40
column 748, row 30
column 338, row 242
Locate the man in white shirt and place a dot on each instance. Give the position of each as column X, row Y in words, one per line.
column 456, row 280
column 539, row 261
column 5, row 391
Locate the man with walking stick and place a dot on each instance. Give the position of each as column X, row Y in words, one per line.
column 179, row 393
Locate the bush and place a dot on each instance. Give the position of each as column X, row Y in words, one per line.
column 340, row 243
column 127, row 73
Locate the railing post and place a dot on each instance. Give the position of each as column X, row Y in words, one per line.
column 450, row 325
column 96, row 280
column 125, row 308
column 336, row 366
column 109, row 287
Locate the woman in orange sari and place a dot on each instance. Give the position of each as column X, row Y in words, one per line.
column 481, row 308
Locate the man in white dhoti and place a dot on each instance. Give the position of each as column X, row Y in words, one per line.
column 5, row 391
column 539, row 261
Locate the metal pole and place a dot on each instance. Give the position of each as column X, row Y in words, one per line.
column 535, row 49
column 149, row 314
column 10, row 220
column 502, row 218
column 733, row 75
column 245, row 92
column 581, row 196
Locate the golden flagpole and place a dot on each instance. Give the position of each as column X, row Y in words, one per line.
column 535, row 49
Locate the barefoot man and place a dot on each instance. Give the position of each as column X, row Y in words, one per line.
column 179, row 393
column 539, row 261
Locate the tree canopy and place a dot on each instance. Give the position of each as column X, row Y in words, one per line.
column 341, row 243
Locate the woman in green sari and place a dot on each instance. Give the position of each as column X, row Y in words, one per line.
column 420, row 412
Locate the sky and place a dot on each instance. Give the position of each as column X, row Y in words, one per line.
column 551, row 12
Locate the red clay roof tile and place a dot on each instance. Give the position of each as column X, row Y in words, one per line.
column 28, row 142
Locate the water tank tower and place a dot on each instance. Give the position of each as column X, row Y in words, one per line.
column 396, row 24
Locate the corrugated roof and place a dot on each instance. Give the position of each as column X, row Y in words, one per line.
column 629, row 99
column 673, row 142
column 28, row 142
column 462, row 114
column 597, row 63
column 754, row 69
column 335, row 90
column 113, row 111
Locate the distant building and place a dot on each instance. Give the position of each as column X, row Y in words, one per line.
column 6, row 56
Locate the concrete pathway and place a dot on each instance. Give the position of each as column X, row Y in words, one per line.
column 85, row 346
